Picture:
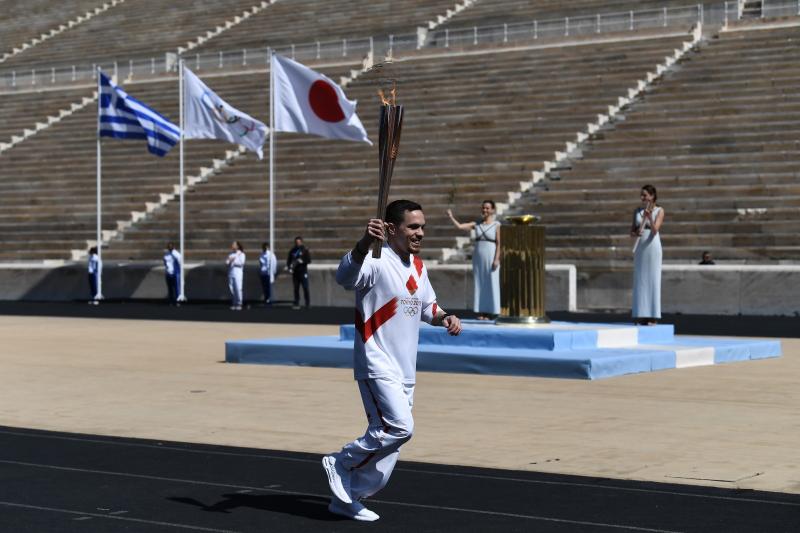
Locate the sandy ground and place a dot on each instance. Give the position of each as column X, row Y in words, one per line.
column 735, row 425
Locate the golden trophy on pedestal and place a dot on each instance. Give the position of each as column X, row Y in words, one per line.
column 522, row 273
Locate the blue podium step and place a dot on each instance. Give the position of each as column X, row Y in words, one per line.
column 566, row 350
column 555, row 336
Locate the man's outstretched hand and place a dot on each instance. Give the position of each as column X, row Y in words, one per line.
column 453, row 324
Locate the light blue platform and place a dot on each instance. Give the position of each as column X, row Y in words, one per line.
column 560, row 349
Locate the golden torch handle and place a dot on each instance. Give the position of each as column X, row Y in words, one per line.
column 389, row 126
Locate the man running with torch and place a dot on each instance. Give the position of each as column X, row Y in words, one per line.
column 393, row 295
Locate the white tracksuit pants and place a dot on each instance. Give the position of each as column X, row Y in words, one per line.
column 235, row 278
column 371, row 458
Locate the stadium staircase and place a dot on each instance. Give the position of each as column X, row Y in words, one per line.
column 330, row 20
column 718, row 136
column 17, row 109
column 133, row 29
column 47, row 183
column 230, row 23
column 42, row 16
column 496, row 134
column 567, row 129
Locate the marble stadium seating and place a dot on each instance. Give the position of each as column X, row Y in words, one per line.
column 717, row 135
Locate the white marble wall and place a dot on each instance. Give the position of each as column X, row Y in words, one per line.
column 700, row 289
column 688, row 289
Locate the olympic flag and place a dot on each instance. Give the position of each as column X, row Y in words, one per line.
column 207, row 116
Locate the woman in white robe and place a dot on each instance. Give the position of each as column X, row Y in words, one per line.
column 647, row 255
column 485, row 260
column 235, row 264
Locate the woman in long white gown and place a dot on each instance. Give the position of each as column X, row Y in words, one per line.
column 235, row 262
column 485, row 260
column 647, row 254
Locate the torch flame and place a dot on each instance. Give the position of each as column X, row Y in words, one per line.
column 392, row 99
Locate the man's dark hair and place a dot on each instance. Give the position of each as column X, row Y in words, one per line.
column 396, row 211
column 170, row 246
column 264, row 245
column 93, row 250
column 298, row 238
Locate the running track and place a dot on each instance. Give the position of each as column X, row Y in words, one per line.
column 57, row 482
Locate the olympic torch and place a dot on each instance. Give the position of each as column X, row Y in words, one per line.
column 389, row 125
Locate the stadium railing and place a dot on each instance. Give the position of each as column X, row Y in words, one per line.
column 389, row 45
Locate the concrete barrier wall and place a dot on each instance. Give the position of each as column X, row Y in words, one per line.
column 701, row 289
column 689, row 289
column 453, row 284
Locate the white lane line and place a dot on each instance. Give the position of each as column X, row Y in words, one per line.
column 324, row 496
column 431, row 472
column 86, row 516
column 159, row 447
column 529, row 517
column 606, row 487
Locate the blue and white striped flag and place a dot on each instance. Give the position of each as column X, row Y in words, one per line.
column 124, row 117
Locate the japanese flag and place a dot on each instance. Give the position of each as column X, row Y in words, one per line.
column 309, row 102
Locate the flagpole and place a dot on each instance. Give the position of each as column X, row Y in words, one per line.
column 99, row 271
column 272, row 244
column 181, row 296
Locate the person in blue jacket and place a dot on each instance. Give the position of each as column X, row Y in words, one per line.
column 94, row 270
column 172, row 273
column 267, row 268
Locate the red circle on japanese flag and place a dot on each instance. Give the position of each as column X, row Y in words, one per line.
column 324, row 101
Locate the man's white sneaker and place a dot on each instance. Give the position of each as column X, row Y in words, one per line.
column 338, row 478
column 353, row 511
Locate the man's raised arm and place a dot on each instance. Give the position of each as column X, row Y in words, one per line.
column 350, row 273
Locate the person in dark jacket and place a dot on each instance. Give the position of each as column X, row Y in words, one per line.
column 297, row 263
column 706, row 259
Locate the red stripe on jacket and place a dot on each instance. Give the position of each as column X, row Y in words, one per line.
column 380, row 317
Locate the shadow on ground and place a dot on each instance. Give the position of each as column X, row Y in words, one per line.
column 312, row 507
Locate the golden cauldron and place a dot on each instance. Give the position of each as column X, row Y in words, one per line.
column 522, row 273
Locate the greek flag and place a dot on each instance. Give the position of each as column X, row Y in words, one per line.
column 124, row 117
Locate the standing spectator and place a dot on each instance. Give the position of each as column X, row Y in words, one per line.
column 485, row 260
column 235, row 264
column 267, row 268
column 647, row 221
column 707, row 259
column 172, row 273
column 297, row 264
column 95, row 270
